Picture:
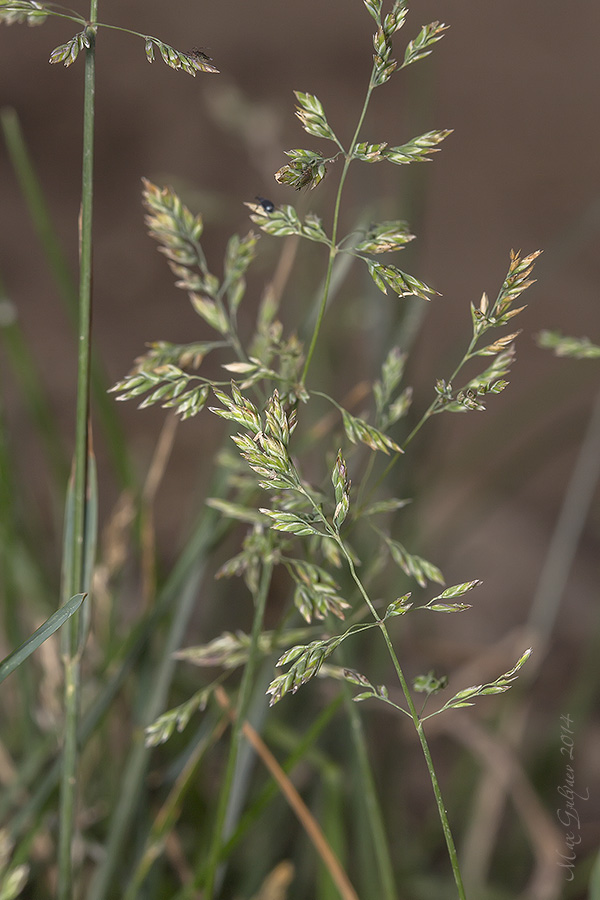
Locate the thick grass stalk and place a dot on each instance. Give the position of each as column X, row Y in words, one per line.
column 177, row 596
column 75, row 571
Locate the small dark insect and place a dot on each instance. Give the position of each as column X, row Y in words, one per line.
column 200, row 55
column 267, row 205
column 306, row 177
column 203, row 59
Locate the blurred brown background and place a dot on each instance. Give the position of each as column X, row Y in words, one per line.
column 518, row 81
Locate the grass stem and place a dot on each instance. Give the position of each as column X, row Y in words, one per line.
column 334, row 232
column 418, row 727
column 75, row 568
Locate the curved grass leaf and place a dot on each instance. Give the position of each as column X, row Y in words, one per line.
column 18, row 656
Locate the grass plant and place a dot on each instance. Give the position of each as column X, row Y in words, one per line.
column 301, row 521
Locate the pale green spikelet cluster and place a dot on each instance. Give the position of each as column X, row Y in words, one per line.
column 485, row 318
column 30, row 12
column 301, row 523
column 314, row 529
column 300, row 511
column 190, row 62
column 22, row 12
column 562, row 345
column 68, row 53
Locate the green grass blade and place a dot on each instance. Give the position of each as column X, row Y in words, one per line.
column 595, row 880
column 27, row 376
column 381, row 860
column 40, row 773
column 10, row 595
column 63, row 278
column 18, row 656
column 34, row 198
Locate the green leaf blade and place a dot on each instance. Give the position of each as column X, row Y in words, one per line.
column 52, row 624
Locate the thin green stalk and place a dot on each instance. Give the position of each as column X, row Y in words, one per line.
column 412, row 711
column 323, row 305
column 437, row 403
column 333, row 249
column 429, row 412
column 85, row 315
column 75, row 575
column 40, row 773
column 453, row 855
column 244, row 697
column 68, row 792
column 416, row 721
